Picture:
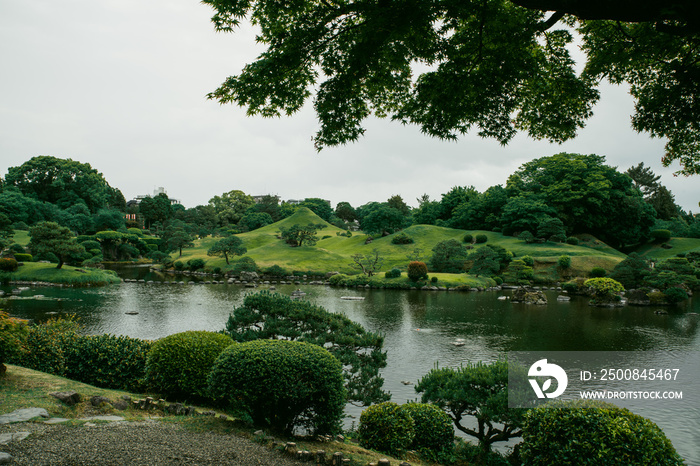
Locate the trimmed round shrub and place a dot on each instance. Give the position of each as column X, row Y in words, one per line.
column 12, row 335
column 393, row 273
column 529, row 261
column 604, row 290
column 417, row 270
column 386, row 427
column 401, row 238
column 481, row 238
column 178, row 365
column 433, row 279
column 598, row 272
column 564, row 262
column 468, row 238
column 17, row 248
column 527, row 236
column 244, row 264
column 196, row 264
column 281, row 384
column 42, row 348
column 661, row 235
column 588, row 432
column 179, row 265
column 91, row 244
column 572, row 240
column 276, row 271
column 498, row 280
column 108, row 361
column 434, row 431
column 337, row 279
column 8, row 264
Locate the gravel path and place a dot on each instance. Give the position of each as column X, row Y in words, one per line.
column 133, row 443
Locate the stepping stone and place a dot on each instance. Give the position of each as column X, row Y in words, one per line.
column 56, row 420
column 102, row 418
column 5, row 458
column 23, row 415
column 13, row 437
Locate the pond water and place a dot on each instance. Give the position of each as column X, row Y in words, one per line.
column 420, row 328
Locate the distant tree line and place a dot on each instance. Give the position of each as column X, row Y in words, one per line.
column 550, row 198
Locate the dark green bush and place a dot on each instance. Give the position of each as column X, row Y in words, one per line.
column 417, row 270
column 574, row 286
column 244, row 264
column 108, row 361
column 598, row 272
column 564, row 262
column 43, row 346
column 17, row 248
column 178, row 365
column 8, row 264
column 661, row 235
column 481, row 238
column 527, row 236
column 675, row 295
column 468, row 238
column 470, row 453
column 48, row 256
column 386, row 427
column 529, row 261
column 337, row 279
column 89, row 244
column 284, row 385
column 23, row 257
column 179, row 265
column 498, row 280
column 158, row 256
column 433, row 279
column 276, row 271
column 393, row 273
column 196, row 264
column 401, row 238
column 572, row 240
column 93, row 261
column 12, row 334
column 434, row 431
column 593, row 433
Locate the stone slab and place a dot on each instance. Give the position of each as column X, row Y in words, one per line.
column 5, row 458
column 23, row 415
column 56, row 420
column 13, row 437
column 102, row 418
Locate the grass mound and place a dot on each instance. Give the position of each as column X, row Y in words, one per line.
column 66, row 275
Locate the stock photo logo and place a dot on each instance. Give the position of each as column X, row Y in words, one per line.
column 542, row 369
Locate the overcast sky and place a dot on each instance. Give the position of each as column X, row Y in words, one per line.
column 122, row 84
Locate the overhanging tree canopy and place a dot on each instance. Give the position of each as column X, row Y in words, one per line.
column 496, row 66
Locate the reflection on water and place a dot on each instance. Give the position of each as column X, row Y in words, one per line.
column 420, row 328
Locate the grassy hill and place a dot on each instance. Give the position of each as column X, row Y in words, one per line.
column 678, row 246
column 334, row 252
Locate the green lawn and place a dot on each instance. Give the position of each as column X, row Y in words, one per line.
column 67, row 275
column 678, row 246
column 21, row 237
column 334, row 253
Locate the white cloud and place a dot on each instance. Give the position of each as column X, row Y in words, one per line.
column 122, row 85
